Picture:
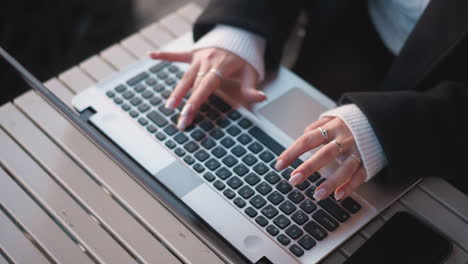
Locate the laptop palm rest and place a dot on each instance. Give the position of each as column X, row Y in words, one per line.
column 179, row 179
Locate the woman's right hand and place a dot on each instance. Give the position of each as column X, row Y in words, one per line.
column 202, row 77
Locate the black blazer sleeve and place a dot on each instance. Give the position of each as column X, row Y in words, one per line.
column 423, row 133
column 271, row 19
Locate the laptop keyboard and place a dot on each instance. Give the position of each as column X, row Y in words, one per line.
column 237, row 158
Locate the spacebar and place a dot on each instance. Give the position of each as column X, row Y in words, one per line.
column 268, row 141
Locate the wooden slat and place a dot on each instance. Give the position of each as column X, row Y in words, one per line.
column 118, row 57
column 15, row 244
column 450, row 224
column 334, row 258
column 190, row 12
column 138, row 46
column 157, row 35
column 35, row 221
column 76, row 79
column 446, row 194
column 122, row 186
column 372, row 227
column 175, row 24
column 130, row 233
column 352, row 244
column 97, row 68
column 60, row 90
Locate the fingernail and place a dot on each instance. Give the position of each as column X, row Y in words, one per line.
column 182, row 123
column 186, row 110
column 320, row 194
column 170, row 103
column 296, row 178
column 279, row 165
column 262, row 93
column 339, row 195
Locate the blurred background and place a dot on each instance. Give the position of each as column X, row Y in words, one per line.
column 50, row 36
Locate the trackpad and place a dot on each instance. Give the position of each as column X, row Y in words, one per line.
column 292, row 111
column 178, row 178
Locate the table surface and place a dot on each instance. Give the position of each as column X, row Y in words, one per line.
column 63, row 200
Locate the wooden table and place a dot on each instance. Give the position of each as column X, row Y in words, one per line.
column 62, row 200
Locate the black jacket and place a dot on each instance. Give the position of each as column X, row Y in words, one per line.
column 418, row 111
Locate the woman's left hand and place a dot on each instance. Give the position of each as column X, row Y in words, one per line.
column 337, row 140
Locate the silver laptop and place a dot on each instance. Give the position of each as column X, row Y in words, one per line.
column 222, row 166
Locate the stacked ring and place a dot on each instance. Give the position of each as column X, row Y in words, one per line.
column 200, row 74
column 217, row 72
column 339, row 146
column 324, row 133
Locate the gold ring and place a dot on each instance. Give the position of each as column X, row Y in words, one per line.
column 324, row 133
column 217, row 72
column 201, row 74
column 338, row 145
column 356, row 158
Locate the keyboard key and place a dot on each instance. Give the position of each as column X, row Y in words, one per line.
column 246, row 192
column 179, row 75
column 325, row 220
column 260, row 168
column 202, row 155
column 133, row 113
column 223, row 173
column 118, row 100
column 219, row 103
column 230, row 160
column 208, row 143
column 165, row 94
column 255, row 147
column 139, row 88
column 244, row 139
column 161, row 136
column 223, row 122
column 138, row 78
column 283, row 239
column 334, row 209
column 229, row 193
column 170, row 144
column 272, row 177
column 315, row 230
column 181, row 138
column 233, row 130
column 128, row 95
column 275, row 198
column 281, row 221
column 241, row 169
column 219, row 152
column 286, row 173
column 238, row 151
column 165, row 110
column 306, row 242
column 351, row 205
column 239, row 202
column 156, row 118
column 263, row 188
column 158, row 88
column 155, row 101
column 303, row 185
column 296, row 250
column 189, row 160
column 250, row 211
column 257, row 201
column 227, row 142
column 217, row 133
column 151, row 128
column 249, row 159
column 219, row 185
column 296, row 196
column 151, row 81
column 252, row 179
column 147, row 94
column 179, row 152
column 121, row 88
column 234, row 115
column 136, row 101
column 162, row 75
column 320, row 182
column 287, row 207
column 234, row 182
column 209, row 176
column 212, row 164
column 143, row 108
column 142, row 121
column 191, row 146
column 213, row 115
column 310, row 192
column 272, row 230
column 299, row 217
column 158, row 67
column 262, row 221
column 269, row 211
column 294, row 232
column 245, row 123
column 266, row 156
column 206, row 125
column 198, row 167
column 171, row 130
column 284, row 187
column 126, row 107
column 308, row 206
column 266, row 140
column 197, row 135
column 173, row 69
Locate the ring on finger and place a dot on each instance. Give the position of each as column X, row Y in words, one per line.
column 339, row 146
column 201, row 74
column 217, row 72
column 324, row 133
column 356, row 158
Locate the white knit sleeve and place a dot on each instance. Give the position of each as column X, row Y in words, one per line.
column 245, row 44
column 373, row 157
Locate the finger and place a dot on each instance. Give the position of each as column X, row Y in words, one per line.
column 303, row 144
column 184, row 56
column 204, row 68
column 249, row 81
column 320, row 159
column 344, row 172
column 209, row 83
column 183, row 87
column 352, row 183
column 322, row 121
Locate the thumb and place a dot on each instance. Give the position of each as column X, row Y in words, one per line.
column 248, row 86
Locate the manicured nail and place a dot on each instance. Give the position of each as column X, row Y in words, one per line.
column 262, row 93
column 182, row 123
column 296, row 178
column 339, row 195
column 320, row 194
column 186, row 110
column 279, row 165
column 170, row 103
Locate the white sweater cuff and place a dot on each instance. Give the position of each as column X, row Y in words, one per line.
column 245, row 44
column 373, row 157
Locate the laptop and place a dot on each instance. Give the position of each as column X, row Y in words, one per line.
column 222, row 166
